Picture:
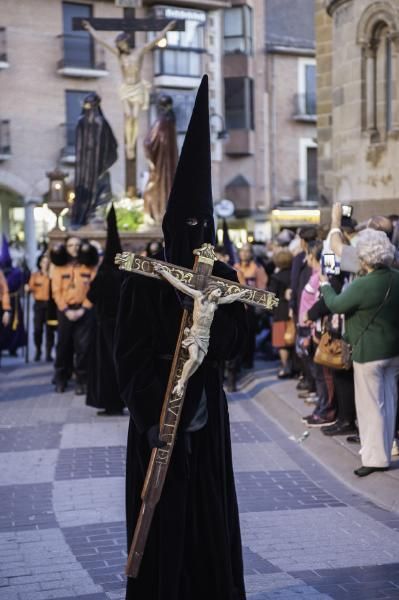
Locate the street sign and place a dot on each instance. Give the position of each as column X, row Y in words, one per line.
column 224, row 208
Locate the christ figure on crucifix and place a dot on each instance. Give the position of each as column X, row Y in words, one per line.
column 196, row 337
column 134, row 91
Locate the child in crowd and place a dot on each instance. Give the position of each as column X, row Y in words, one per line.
column 324, row 413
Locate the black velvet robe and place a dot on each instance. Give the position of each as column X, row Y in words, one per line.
column 194, row 546
column 102, row 387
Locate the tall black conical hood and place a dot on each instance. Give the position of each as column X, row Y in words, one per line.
column 191, row 194
column 113, row 244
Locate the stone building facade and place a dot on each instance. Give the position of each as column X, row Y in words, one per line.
column 359, row 131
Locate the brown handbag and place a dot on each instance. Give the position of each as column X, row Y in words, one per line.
column 290, row 333
column 334, row 353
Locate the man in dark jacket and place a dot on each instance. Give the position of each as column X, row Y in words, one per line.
column 194, row 545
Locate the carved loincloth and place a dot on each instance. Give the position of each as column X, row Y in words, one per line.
column 136, row 93
column 201, row 341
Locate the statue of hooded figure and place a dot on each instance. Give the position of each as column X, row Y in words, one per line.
column 96, row 152
column 194, row 545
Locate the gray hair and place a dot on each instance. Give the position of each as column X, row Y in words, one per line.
column 374, row 248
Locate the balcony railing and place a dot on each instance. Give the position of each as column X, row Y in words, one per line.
column 3, row 49
column 68, row 152
column 81, row 56
column 5, row 139
column 305, row 106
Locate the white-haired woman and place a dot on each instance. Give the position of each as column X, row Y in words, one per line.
column 370, row 305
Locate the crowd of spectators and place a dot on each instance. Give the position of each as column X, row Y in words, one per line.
column 338, row 291
column 339, row 284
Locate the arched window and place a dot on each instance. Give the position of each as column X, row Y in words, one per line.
column 377, row 34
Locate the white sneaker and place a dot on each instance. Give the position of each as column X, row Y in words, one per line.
column 395, row 448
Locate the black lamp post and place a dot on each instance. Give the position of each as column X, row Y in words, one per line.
column 57, row 192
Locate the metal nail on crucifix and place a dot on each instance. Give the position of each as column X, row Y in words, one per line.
column 208, row 292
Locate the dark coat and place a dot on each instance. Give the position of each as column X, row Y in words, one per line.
column 300, row 275
column 278, row 284
column 102, row 387
column 194, row 546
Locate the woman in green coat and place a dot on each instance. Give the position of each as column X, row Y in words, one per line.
column 370, row 305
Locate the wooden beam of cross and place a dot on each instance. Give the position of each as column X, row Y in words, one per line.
column 208, row 292
column 126, row 24
column 135, row 263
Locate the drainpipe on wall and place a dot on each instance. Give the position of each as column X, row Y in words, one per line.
column 273, row 132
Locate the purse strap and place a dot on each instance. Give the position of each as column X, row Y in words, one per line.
column 376, row 312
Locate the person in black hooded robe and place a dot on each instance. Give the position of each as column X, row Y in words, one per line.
column 194, row 546
column 96, row 152
column 104, row 294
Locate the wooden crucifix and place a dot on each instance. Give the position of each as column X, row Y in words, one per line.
column 134, row 91
column 208, row 292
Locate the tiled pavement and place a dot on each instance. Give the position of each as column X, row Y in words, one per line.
column 305, row 535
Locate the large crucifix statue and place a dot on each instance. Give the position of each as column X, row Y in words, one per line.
column 134, row 91
column 208, row 292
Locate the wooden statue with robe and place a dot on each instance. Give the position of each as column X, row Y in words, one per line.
column 160, row 147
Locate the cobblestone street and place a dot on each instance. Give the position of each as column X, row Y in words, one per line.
column 305, row 534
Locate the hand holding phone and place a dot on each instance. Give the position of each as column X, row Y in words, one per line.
column 347, row 210
column 328, row 264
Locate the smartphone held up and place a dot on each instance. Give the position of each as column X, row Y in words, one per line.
column 329, row 264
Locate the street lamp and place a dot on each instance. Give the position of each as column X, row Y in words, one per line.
column 56, row 193
column 222, row 134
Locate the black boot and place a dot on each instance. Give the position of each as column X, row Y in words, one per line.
column 38, row 355
column 49, row 358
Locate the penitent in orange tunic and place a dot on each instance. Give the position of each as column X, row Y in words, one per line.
column 39, row 285
column 4, row 293
column 70, row 285
column 252, row 274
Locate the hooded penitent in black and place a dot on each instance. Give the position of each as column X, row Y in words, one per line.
column 194, row 546
column 104, row 293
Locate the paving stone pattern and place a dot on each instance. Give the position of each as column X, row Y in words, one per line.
column 62, row 531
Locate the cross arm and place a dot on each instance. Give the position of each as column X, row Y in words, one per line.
column 253, row 296
column 126, row 24
column 159, row 37
column 175, row 281
column 88, row 27
column 230, row 298
column 129, row 261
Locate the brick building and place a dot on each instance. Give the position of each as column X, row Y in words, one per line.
column 259, row 55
